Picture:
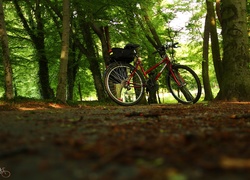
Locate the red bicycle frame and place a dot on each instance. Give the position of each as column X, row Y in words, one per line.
column 167, row 63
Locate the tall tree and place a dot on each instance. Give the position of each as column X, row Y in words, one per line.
column 34, row 25
column 152, row 36
column 91, row 54
column 236, row 74
column 6, row 56
column 73, row 55
column 88, row 44
column 62, row 81
column 215, row 41
column 205, row 62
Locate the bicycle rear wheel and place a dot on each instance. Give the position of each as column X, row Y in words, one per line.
column 188, row 91
column 122, row 87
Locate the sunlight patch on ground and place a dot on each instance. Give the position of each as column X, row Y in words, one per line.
column 32, row 106
column 30, row 109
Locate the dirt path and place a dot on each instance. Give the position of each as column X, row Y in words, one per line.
column 176, row 142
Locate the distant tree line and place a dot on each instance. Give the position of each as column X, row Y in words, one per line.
column 58, row 49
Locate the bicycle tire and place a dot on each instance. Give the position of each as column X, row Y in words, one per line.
column 119, row 89
column 189, row 92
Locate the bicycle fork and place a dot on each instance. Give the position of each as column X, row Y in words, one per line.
column 177, row 78
column 181, row 84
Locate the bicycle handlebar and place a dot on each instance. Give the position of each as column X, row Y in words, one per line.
column 172, row 45
column 165, row 47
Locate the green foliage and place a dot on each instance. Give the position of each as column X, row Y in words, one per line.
column 126, row 23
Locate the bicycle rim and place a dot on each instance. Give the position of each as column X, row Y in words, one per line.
column 118, row 86
column 188, row 89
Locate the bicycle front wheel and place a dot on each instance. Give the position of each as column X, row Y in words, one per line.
column 123, row 87
column 184, row 85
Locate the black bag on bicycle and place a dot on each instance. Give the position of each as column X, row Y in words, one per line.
column 126, row 54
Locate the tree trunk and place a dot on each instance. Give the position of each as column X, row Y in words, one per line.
column 103, row 34
column 43, row 72
column 155, row 41
column 73, row 66
column 74, row 56
column 218, row 13
column 152, row 89
column 214, row 41
column 62, row 82
column 236, row 75
column 95, row 69
column 6, row 57
column 93, row 62
column 205, row 62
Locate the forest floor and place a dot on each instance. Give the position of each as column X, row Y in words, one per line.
column 42, row 140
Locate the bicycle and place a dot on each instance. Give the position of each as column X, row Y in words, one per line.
column 125, row 84
column 4, row 173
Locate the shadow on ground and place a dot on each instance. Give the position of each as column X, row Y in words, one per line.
column 175, row 142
